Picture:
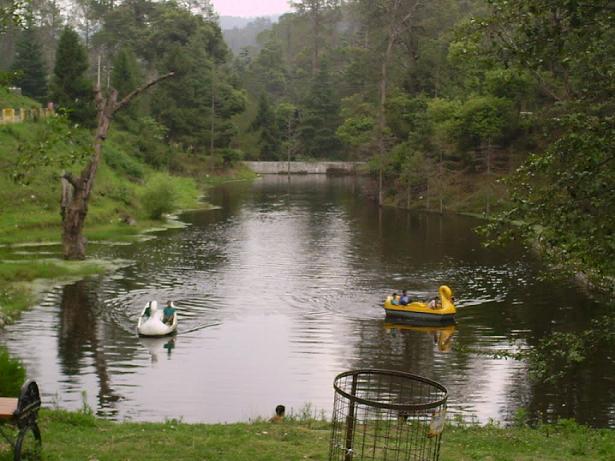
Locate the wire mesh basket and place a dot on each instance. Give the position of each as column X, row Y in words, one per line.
column 387, row 415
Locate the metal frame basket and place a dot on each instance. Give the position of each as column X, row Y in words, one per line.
column 387, row 415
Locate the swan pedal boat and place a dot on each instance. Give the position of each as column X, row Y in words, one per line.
column 419, row 313
column 153, row 325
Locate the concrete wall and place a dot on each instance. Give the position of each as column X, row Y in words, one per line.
column 349, row 168
column 10, row 115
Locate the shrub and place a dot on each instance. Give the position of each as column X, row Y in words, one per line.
column 123, row 163
column 151, row 143
column 231, row 156
column 159, row 196
column 12, row 375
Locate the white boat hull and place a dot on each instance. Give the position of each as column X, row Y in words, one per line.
column 154, row 326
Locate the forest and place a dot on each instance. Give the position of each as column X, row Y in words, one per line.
column 500, row 108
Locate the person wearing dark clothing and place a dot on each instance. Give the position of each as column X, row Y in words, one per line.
column 404, row 300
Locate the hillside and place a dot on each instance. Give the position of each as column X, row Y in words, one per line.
column 30, row 191
column 245, row 36
column 11, row 99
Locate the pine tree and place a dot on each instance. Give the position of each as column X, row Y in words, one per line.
column 321, row 119
column 126, row 76
column 266, row 121
column 32, row 75
column 69, row 88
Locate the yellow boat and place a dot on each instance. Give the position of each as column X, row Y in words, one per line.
column 420, row 313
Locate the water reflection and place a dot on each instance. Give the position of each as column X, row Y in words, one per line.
column 281, row 288
column 442, row 336
column 158, row 347
column 81, row 339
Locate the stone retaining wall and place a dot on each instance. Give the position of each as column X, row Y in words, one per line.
column 341, row 168
column 10, row 115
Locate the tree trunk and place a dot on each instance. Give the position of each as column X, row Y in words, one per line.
column 73, row 216
column 316, row 20
column 76, row 191
column 213, row 111
column 408, row 196
column 395, row 27
column 381, row 111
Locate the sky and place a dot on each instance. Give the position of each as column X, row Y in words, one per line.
column 248, row 8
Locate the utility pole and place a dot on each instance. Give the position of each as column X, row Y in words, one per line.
column 213, row 109
column 98, row 73
column 288, row 147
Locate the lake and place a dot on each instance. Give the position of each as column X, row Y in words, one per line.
column 280, row 288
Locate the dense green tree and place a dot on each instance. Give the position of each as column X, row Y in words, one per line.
column 196, row 106
column 69, row 88
column 316, row 11
column 183, row 104
column 125, row 77
column 563, row 195
column 265, row 121
column 287, row 119
column 29, row 66
column 357, row 131
column 267, row 72
column 321, row 118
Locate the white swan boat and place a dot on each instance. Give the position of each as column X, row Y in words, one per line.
column 153, row 325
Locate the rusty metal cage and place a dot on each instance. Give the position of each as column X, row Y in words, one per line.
column 387, row 415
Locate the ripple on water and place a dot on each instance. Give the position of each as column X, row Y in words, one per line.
column 277, row 293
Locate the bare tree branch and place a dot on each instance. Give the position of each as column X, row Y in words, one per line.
column 140, row 90
column 71, row 179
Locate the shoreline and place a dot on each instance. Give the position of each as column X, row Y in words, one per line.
column 21, row 289
column 80, row 435
column 590, row 284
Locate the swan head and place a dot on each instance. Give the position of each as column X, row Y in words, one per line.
column 445, row 292
column 154, row 306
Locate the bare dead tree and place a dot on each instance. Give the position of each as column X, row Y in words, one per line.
column 76, row 191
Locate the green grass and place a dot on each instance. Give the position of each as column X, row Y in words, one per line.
column 555, row 442
column 80, row 436
column 26, row 271
column 30, row 211
column 10, row 99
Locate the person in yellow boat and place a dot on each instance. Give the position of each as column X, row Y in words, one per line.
column 404, row 299
column 395, row 299
column 435, row 303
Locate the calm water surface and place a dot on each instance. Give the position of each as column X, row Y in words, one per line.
column 279, row 290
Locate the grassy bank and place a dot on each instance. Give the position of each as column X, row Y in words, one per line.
column 468, row 194
column 75, row 436
column 17, row 290
column 31, row 205
column 9, row 99
column 130, row 197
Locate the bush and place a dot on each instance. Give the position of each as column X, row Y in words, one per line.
column 159, row 196
column 151, row 143
column 12, row 375
column 122, row 162
column 231, row 156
